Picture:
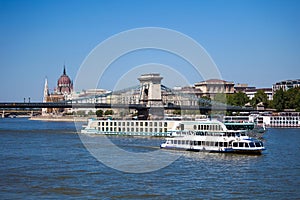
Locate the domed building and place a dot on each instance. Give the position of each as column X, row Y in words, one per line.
column 64, row 84
column 63, row 89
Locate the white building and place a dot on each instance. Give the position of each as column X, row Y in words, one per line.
column 285, row 85
column 251, row 92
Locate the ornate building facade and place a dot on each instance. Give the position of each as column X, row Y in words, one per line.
column 63, row 89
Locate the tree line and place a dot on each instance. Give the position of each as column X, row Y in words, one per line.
column 289, row 99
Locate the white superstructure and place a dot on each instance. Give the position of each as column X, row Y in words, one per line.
column 214, row 141
column 149, row 127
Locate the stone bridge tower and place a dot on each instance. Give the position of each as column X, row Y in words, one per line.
column 150, row 95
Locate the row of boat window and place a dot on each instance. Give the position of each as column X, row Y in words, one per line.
column 284, row 118
column 137, row 123
column 216, row 144
column 247, row 145
column 284, row 122
column 199, row 143
column 213, row 127
column 227, row 134
column 132, row 129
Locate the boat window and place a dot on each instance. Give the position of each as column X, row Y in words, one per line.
column 257, row 144
column 225, row 144
column 251, row 144
column 166, row 124
column 216, row 144
column 221, row 144
column 241, row 144
column 195, row 127
column 243, row 134
column 234, row 144
column 206, row 143
column 262, row 145
column 247, row 145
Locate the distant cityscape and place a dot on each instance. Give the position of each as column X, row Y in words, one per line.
column 210, row 89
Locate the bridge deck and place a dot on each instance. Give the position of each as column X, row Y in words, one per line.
column 126, row 106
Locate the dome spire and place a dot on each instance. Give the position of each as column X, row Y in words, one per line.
column 64, row 72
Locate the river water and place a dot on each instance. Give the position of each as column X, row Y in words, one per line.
column 48, row 160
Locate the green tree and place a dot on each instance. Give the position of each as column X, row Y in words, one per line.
column 91, row 113
column 241, row 98
column 297, row 100
column 206, row 99
column 260, row 96
column 220, row 97
column 279, row 100
column 99, row 113
column 290, row 98
column 81, row 113
column 177, row 112
column 109, row 112
column 237, row 99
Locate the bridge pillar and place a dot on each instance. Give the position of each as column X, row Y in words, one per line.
column 150, row 95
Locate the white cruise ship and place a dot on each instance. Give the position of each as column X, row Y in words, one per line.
column 149, row 127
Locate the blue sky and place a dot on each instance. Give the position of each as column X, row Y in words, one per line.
column 254, row 42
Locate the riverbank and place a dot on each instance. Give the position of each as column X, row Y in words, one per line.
column 59, row 118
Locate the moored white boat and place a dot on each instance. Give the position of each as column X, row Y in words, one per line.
column 245, row 123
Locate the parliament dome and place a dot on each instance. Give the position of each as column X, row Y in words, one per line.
column 64, row 83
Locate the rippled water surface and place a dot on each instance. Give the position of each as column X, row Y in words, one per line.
column 48, row 160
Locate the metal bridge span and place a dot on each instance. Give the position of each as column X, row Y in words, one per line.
column 10, row 105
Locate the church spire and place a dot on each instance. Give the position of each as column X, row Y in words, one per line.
column 64, row 72
column 45, row 97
